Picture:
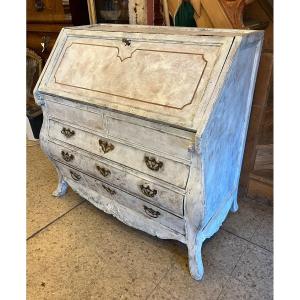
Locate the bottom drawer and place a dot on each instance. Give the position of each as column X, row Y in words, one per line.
column 146, row 209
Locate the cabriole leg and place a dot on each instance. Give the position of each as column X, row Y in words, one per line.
column 195, row 259
column 234, row 207
column 62, row 185
column 195, row 241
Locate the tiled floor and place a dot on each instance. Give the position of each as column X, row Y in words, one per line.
column 75, row 251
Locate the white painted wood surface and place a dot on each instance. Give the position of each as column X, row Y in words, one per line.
column 149, row 123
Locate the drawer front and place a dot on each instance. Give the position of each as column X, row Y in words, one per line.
column 175, row 143
column 119, row 176
column 72, row 174
column 45, row 11
column 143, row 207
column 146, row 209
column 165, row 169
column 81, row 117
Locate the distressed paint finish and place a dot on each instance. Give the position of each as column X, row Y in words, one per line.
column 195, row 148
column 137, row 11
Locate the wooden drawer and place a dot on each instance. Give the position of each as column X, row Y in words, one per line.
column 72, row 174
column 81, row 117
column 175, row 142
column 165, row 139
column 151, row 191
column 143, row 207
column 162, row 168
column 108, row 191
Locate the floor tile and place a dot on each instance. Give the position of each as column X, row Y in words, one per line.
column 179, row 284
column 160, row 294
column 236, row 290
column 135, row 250
column 264, row 234
column 255, row 268
column 75, row 258
column 42, row 207
column 246, row 220
column 223, row 251
column 39, row 168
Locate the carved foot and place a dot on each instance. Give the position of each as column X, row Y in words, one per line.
column 61, row 187
column 195, row 241
column 234, row 207
column 195, row 259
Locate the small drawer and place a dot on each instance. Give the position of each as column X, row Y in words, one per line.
column 174, row 142
column 121, row 177
column 164, row 169
column 146, row 209
column 78, row 116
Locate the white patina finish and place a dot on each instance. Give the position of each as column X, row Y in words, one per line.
column 149, row 123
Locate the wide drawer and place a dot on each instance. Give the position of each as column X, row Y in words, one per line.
column 165, row 169
column 120, row 176
column 156, row 137
column 146, row 209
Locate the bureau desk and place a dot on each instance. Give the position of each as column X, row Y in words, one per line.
column 149, row 123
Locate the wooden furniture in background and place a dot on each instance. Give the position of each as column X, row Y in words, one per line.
column 257, row 173
column 45, row 18
column 156, row 139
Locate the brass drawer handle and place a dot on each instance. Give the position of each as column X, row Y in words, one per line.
column 75, row 176
column 151, row 212
column 67, row 132
column 66, row 156
column 104, row 172
column 152, row 163
column 105, row 146
column 146, row 190
column 109, row 190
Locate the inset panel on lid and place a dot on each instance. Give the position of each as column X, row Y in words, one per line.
column 147, row 75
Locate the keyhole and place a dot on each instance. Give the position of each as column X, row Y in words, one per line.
column 126, row 42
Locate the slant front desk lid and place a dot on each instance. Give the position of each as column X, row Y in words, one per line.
column 160, row 74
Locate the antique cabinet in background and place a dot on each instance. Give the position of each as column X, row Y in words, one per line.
column 45, row 18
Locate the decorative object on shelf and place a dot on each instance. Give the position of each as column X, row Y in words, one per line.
column 108, row 11
column 161, row 148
